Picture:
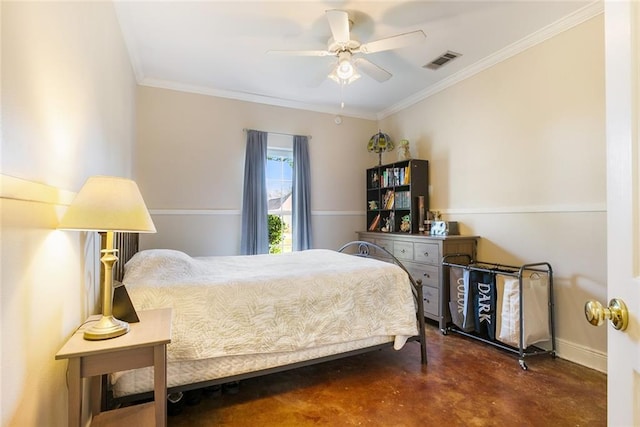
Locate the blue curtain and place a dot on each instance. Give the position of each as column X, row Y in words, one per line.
column 301, row 194
column 255, row 229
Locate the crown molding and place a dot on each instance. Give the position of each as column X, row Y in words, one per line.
column 252, row 97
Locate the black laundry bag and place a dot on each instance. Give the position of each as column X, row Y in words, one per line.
column 483, row 290
column 460, row 303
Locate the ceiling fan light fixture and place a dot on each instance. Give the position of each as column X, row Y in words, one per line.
column 353, row 78
column 344, row 72
column 336, row 78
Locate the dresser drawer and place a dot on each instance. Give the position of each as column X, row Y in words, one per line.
column 429, row 274
column 430, row 298
column 403, row 250
column 427, row 252
column 422, row 257
column 386, row 244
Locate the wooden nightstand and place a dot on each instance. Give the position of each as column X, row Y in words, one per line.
column 144, row 345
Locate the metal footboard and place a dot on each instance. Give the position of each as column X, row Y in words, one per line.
column 364, row 249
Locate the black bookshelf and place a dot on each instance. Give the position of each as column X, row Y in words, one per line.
column 393, row 194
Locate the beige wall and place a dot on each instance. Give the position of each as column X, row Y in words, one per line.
column 190, row 166
column 517, row 155
column 68, row 104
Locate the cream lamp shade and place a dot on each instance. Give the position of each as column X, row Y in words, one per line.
column 109, row 204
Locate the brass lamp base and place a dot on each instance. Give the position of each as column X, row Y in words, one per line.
column 107, row 327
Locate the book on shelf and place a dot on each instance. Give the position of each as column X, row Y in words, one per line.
column 374, row 224
column 389, row 198
column 392, row 177
column 402, row 200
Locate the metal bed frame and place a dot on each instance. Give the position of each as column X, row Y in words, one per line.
column 127, row 243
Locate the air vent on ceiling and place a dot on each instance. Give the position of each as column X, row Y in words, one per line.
column 445, row 58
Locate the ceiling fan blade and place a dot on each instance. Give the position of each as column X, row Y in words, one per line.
column 339, row 23
column 372, row 70
column 393, row 42
column 300, row 52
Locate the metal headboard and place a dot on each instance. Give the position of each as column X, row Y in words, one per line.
column 127, row 245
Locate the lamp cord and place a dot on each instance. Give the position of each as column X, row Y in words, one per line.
column 84, row 323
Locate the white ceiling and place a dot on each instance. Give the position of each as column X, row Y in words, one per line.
column 219, row 47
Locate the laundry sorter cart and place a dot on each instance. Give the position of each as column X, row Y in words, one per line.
column 510, row 307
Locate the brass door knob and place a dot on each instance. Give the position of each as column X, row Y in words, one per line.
column 617, row 313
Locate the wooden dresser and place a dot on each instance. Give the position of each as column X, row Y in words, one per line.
column 422, row 256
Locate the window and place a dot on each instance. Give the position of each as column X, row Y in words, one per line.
column 279, row 192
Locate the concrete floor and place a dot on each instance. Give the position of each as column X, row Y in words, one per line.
column 466, row 383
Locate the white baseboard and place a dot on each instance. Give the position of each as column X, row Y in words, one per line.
column 581, row 355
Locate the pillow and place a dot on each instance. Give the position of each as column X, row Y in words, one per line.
column 158, row 266
column 122, row 307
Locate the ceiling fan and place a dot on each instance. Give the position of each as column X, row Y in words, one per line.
column 345, row 49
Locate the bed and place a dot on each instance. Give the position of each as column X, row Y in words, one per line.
column 236, row 317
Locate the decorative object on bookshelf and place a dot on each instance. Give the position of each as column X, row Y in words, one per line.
column 379, row 143
column 420, row 214
column 374, row 224
column 403, row 150
column 375, row 180
column 373, row 205
column 405, row 225
column 388, row 223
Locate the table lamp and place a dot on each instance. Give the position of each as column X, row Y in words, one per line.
column 378, row 143
column 108, row 204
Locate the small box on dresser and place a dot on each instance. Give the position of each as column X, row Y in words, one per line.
column 422, row 255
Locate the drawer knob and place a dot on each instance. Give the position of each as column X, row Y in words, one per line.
column 402, row 250
column 426, row 254
column 426, row 275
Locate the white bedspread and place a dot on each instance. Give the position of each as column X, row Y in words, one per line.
column 236, row 305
